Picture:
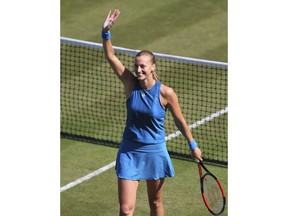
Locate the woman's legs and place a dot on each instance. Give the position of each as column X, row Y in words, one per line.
column 127, row 191
column 155, row 191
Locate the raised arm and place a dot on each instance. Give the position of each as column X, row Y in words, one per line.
column 119, row 69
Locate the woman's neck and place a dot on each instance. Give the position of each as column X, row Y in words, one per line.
column 147, row 84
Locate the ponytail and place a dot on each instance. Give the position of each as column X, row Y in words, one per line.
column 156, row 76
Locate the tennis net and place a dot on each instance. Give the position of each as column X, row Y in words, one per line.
column 93, row 102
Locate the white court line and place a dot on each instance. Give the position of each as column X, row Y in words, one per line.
column 80, row 180
column 112, row 164
column 200, row 122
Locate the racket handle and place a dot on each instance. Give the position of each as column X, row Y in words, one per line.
column 196, row 160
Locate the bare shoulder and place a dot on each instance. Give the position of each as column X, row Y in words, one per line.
column 166, row 91
column 126, row 76
column 129, row 80
column 167, row 95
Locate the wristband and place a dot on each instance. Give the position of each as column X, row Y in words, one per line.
column 192, row 145
column 106, row 35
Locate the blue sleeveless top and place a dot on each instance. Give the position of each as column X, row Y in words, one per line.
column 145, row 115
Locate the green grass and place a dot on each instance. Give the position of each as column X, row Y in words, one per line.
column 93, row 102
column 196, row 29
column 98, row 195
column 188, row 28
column 178, row 27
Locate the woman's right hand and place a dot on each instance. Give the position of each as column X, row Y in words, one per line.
column 110, row 20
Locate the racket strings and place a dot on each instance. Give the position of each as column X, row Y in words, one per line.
column 213, row 194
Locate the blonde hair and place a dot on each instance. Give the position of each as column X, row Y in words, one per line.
column 153, row 59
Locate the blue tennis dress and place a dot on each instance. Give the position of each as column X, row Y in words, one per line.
column 143, row 153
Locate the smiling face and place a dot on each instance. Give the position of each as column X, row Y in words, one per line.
column 145, row 65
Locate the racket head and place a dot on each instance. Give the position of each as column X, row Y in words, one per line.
column 213, row 194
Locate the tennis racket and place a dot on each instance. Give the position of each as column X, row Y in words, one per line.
column 212, row 191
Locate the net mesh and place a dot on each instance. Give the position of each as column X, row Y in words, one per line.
column 93, row 101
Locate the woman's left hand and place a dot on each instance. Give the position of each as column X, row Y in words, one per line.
column 196, row 154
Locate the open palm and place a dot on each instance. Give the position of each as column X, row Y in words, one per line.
column 110, row 20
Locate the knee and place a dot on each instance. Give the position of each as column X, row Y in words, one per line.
column 126, row 209
column 156, row 204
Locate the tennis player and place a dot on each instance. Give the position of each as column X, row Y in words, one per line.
column 143, row 153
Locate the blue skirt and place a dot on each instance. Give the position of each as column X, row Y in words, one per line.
column 138, row 161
